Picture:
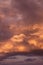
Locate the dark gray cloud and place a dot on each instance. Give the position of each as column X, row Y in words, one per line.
column 31, row 10
column 5, row 32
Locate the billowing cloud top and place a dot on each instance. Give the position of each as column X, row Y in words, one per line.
column 21, row 25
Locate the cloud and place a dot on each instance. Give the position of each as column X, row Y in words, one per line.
column 32, row 11
column 22, row 28
column 25, row 41
column 5, row 32
column 18, row 38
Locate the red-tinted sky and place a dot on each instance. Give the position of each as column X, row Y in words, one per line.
column 21, row 25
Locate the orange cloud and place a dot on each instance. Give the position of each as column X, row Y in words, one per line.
column 6, row 47
column 18, row 38
column 32, row 42
column 22, row 42
column 20, row 34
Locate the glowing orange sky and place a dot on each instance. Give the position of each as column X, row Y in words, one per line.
column 16, row 42
column 21, row 29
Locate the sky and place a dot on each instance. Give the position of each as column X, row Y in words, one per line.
column 21, row 25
